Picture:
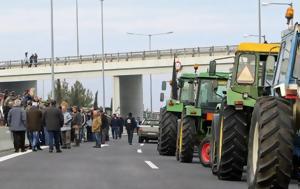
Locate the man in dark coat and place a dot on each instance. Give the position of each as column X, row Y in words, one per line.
column 53, row 120
column 105, row 127
column 130, row 124
column 115, row 126
column 34, row 125
column 76, row 124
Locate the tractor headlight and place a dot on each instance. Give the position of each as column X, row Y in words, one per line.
column 245, row 95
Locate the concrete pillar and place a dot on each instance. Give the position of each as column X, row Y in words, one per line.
column 131, row 95
column 116, row 95
column 19, row 87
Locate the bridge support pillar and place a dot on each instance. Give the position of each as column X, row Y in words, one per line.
column 128, row 95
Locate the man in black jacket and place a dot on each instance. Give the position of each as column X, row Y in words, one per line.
column 53, row 120
column 130, row 124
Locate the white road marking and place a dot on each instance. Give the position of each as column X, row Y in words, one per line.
column 142, row 144
column 139, row 151
column 11, row 156
column 152, row 165
column 104, row 145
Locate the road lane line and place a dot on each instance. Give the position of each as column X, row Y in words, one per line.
column 139, row 151
column 142, row 144
column 11, row 156
column 104, row 145
column 152, row 165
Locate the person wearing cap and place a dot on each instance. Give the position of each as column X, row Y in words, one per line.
column 34, row 125
column 53, row 120
column 17, row 125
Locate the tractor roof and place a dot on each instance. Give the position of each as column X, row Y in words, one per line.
column 259, row 47
column 217, row 75
column 188, row 75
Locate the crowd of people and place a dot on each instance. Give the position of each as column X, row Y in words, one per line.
column 59, row 125
column 32, row 60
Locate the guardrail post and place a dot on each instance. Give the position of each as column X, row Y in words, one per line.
column 126, row 56
column 158, row 54
column 118, row 57
column 171, row 52
column 144, row 55
column 211, row 49
column 228, row 50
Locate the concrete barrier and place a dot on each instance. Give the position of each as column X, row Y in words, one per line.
column 6, row 141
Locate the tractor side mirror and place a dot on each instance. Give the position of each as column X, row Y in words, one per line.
column 162, row 97
column 212, row 67
column 164, row 86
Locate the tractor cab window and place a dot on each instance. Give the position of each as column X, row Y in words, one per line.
column 266, row 69
column 246, row 69
column 211, row 92
column 296, row 72
column 284, row 59
column 188, row 92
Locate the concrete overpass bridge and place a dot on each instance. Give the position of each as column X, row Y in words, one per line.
column 126, row 69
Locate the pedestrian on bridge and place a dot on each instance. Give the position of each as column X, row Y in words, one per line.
column 17, row 125
column 130, row 124
column 53, row 120
column 34, row 125
column 96, row 128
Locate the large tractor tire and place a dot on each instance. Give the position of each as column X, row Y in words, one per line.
column 186, row 139
column 204, row 152
column 232, row 147
column 167, row 133
column 214, row 140
column 270, row 158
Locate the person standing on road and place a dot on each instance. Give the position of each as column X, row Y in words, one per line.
column 17, row 125
column 96, row 128
column 121, row 126
column 34, row 125
column 76, row 125
column 83, row 132
column 115, row 127
column 130, row 124
column 54, row 120
column 66, row 129
column 105, row 127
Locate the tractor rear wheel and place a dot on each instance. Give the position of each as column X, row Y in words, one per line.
column 215, row 131
column 167, row 133
column 186, row 139
column 232, row 144
column 204, row 152
column 270, row 158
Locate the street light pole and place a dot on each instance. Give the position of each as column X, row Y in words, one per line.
column 150, row 48
column 102, row 36
column 52, row 52
column 77, row 28
column 259, row 21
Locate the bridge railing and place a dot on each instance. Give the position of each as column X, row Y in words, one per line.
column 126, row 56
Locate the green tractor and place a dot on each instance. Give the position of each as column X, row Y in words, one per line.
column 274, row 139
column 170, row 114
column 251, row 78
column 194, row 128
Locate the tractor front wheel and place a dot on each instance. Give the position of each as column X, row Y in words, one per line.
column 204, row 152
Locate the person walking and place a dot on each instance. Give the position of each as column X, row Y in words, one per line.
column 83, row 130
column 89, row 124
column 96, row 128
column 34, row 125
column 130, row 124
column 105, row 127
column 76, row 125
column 53, row 120
column 121, row 126
column 66, row 129
column 17, row 125
column 35, row 59
column 115, row 127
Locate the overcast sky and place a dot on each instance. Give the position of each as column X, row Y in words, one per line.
column 25, row 26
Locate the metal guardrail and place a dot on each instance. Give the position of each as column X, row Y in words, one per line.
column 116, row 57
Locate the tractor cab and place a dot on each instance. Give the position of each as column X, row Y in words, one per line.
column 252, row 74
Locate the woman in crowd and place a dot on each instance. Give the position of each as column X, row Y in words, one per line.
column 96, row 128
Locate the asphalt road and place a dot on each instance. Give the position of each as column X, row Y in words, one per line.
column 117, row 166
